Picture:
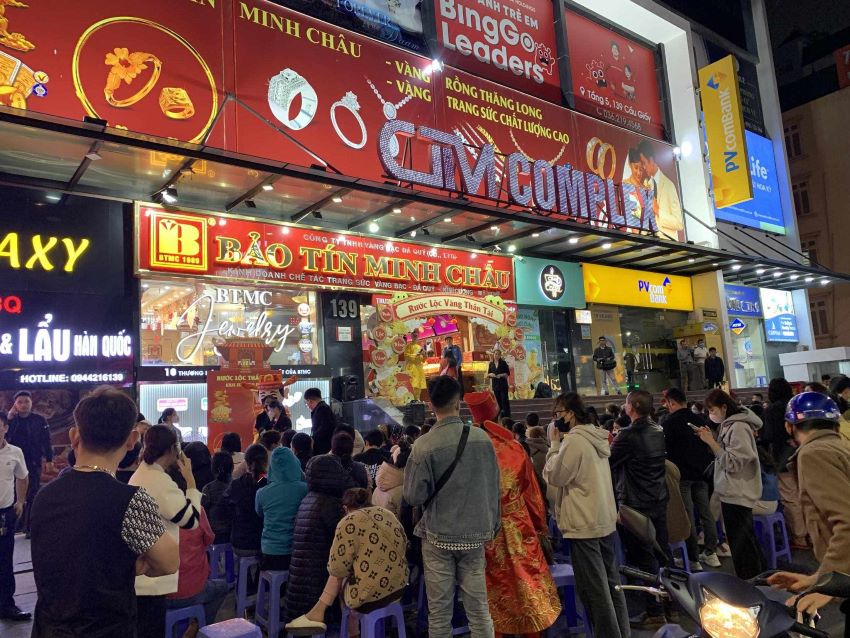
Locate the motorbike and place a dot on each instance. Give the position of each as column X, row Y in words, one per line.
column 723, row 605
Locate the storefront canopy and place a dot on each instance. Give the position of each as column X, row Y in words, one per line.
column 89, row 159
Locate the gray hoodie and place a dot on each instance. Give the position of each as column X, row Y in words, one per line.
column 579, row 483
column 737, row 473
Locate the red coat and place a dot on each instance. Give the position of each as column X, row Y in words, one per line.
column 522, row 595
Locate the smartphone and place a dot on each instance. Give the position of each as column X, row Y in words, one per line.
column 695, row 428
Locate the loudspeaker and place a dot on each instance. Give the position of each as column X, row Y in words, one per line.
column 345, row 388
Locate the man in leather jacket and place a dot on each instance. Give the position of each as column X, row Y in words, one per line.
column 638, row 458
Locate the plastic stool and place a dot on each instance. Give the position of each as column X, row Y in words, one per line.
column 372, row 625
column 619, row 554
column 233, row 628
column 243, row 600
column 765, row 527
column 565, row 579
column 174, row 618
column 681, row 545
column 215, row 554
column 267, row 612
column 459, row 622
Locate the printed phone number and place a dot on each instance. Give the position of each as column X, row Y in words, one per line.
column 97, row 377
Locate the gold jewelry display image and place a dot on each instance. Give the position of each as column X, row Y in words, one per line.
column 128, row 66
column 175, row 103
column 16, row 41
column 596, row 155
column 283, row 88
column 16, row 81
column 179, row 105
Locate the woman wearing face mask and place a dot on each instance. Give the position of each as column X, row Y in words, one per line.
column 737, row 477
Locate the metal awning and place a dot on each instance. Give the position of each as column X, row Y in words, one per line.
column 87, row 159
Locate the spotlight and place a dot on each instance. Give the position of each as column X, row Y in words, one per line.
column 809, row 280
column 691, row 260
column 736, row 267
column 511, row 248
column 396, row 211
column 824, row 282
column 535, row 234
column 448, row 220
column 268, row 187
column 606, row 245
column 413, row 233
column 573, row 240
column 373, row 227
column 165, row 196
column 759, row 271
column 337, row 200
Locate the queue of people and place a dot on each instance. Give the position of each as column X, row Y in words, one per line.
column 468, row 504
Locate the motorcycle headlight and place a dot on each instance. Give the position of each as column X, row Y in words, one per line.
column 719, row 619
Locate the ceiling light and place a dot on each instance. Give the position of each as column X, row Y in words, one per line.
column 736, row 267
column 52, row 198
column 606, row 245
column 511, row 248
column 535, row 234
column 777, row 275
column 573, row 240
column 809, row 280
column 448, row 220
column 412, row 218
column 759, row 271
column 715, row 264
column 268, row 187
column 794, row 277
column 413, row 233
column 337, row 200
column 92, row 156
column 824, row 282
column 691, row 260
column 396, row 211
column 373, row 227
column 495, row 229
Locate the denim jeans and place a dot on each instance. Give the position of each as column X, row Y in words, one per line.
column 695, row 494
column 595, row 567
column 211, row 597
column 445, row 571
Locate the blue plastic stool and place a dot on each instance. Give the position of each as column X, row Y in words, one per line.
column 176, row 620
column 372, row 625
column 681, row 545
column 267, row 611
column 619, row 553
column 565, row 580
column 765, row 527
column 217, row 554
column 243, row 600
column 233, row 628
column 459, row 622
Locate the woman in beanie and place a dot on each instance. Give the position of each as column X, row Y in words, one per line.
column 521, row 593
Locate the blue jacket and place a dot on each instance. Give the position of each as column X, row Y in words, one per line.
column 278, row 502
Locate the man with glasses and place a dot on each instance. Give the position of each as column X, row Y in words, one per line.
column 324, row 421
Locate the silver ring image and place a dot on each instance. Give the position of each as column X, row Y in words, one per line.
column 350, row 103
column 282, row 91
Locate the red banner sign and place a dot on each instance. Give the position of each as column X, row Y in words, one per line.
column 243, row 249
column 509, row 41
column 613, row 77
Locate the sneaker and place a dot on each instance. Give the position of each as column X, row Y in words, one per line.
column 647, row 622
column 723, row 550
column 695, row 566
column 302, row 626
column 710, row 558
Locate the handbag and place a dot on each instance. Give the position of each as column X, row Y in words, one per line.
column 461, row 445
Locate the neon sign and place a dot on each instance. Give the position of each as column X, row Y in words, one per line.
column 44, row 253
column 51, row 344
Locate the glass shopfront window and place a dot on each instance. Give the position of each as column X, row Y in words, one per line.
column 183, row 322
column 748, row 353
column 646, row 333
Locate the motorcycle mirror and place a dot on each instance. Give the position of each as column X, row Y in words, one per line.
column 833, row 584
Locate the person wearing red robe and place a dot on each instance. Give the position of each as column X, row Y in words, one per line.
column 521, row 592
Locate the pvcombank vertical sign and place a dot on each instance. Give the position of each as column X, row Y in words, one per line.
column 724, row 132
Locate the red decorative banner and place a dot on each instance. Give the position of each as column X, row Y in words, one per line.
column 153, row 67
column 249, row 250
column 613, row 77
column 511, row 42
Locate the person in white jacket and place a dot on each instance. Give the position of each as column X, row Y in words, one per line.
column 178, row 510
column 578, row 480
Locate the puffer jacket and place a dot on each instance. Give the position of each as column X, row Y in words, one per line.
column 737, row 471
column 278, row 502
column 389, row 483
column 539, row 449
column 315, row 525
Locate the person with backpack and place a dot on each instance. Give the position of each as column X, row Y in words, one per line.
column 606, row 363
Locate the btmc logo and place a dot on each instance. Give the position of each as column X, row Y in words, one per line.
column 178, row 242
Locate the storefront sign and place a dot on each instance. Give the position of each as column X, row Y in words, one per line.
column 623, row 287
column 247, row 250
column 742, row 301
column 541, row 282
column 614, row 78
column 780, row 322
column 62, row 339
column 181, row 404
column 78, row 246
column 737, row 326
column 724, row 130
column 709, row 327
column 441, row 304
column 511, row 42
column 764, row 210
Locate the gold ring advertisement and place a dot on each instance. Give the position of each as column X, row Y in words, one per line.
column 128, row 68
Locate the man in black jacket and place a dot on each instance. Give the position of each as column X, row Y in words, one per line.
column 30, row 432
column 638, row 458
column 323, row 419
column 687, row 452
column 714, row 369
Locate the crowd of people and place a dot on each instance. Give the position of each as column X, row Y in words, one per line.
column 122, row 535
